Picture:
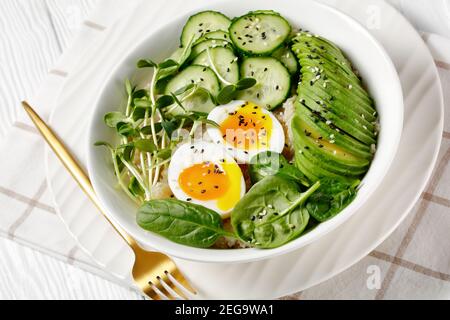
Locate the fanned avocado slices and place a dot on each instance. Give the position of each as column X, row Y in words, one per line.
column 335, row 127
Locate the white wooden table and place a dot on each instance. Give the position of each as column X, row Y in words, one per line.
column 27, row 51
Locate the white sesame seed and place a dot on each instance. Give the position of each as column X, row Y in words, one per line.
column 332, row 136
column 334, row 152
column 365, row 127
column 373, row 148
column 350, row 86
column 328, row 122
column 332, row 141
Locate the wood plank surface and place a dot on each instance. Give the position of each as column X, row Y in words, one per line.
column 34, row 33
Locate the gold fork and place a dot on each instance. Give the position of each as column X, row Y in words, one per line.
column 154, row 273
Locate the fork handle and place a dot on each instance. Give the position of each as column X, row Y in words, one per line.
column 73, row 167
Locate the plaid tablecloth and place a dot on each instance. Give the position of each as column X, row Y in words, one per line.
column 414, row 261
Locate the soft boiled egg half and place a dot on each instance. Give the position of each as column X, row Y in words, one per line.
column 204, row 173
column 246, row 129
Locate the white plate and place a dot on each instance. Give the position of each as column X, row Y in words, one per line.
column 314, row 263
column 379, row 75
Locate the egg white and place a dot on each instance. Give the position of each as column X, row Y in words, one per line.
column 190, row 154
column 221, row 113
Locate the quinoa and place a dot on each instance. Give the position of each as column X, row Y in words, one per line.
column 284, row 114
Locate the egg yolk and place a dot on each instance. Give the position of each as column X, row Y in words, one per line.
column 204, row 181
column 208, row 181
column 247, row 128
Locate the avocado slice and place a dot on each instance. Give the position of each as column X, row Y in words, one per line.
column 337, row 90
column 337, row 76
column 335, row 125
column 341, row 138
column 343, row 121
column 338, row 109
column 306, row 136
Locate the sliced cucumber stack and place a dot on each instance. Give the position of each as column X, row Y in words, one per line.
column 209, row 43
column 202, row 23
column 273, row 81
column 194, row 74
column 224, row 61
column 287, row 57
column 217, row 35
column 259, row 33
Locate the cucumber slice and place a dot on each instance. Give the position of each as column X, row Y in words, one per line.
column 201, row 75
column 210, row 43
column 259, row 33
column 202, row 23
column 218, row 35
column 273, row 81
column 224, row 60
column 200, row 101
column 287, row 57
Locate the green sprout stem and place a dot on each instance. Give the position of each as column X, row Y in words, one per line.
column 120, row 178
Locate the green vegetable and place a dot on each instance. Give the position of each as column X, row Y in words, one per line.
column 145, row 145
column 182, row 222
column 271, row 163
column 331, row 198
column 271, row 213
column 229, row 93
column 112, row 119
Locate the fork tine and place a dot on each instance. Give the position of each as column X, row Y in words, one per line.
column 153, row 293
column 180, row 282
column 163, row 290
column 174, row 286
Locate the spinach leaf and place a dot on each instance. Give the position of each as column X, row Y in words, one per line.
column 182, row 222
column 271, row 163
column 331, row 198
column 271, row 213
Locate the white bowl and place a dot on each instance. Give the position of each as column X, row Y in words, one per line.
column 364, row 51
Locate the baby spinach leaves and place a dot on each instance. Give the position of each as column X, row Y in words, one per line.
column 271, row 163
column 271, row 213
column 182, row 222
column 331, row 198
